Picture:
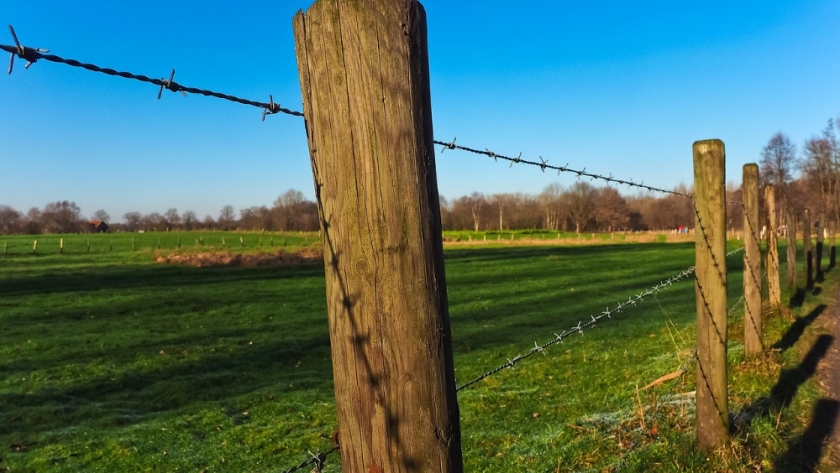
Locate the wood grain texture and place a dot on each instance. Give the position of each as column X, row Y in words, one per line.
column 790, row 262
column 808, row 248
column 752, row 263
column 710, row 290
column 820, row 245
column 363, row 68
column 773, row 286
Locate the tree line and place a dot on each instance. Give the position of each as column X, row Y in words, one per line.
column 809, row 178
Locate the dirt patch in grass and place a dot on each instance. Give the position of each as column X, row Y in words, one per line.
column 228, row 258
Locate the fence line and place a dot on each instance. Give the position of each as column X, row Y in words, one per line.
column 543, row 165
column 580, row 327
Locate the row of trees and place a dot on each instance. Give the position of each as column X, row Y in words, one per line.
column 290, row 212
column 810, row 179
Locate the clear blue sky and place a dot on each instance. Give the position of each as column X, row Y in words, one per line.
column 616, row 87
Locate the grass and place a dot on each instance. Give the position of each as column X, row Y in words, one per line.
column 110, row 362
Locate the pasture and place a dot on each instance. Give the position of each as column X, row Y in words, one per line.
column 112, row 362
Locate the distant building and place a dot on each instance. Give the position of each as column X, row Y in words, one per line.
column 97, row 226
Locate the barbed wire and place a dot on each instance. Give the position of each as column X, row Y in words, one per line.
column 316, row 459
column 543, row 165
column 32, row 55
column 580, row 327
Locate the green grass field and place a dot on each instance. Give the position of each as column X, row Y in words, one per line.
column 111, row 362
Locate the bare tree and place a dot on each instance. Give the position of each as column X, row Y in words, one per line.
column 227, row 217
column 580, row 200
column 173, row 219
column 62, row 217
column 610, row 209
column 132, row 221
column 189, row 219
column 101, row 215
column 549, row 199
column 778, row 160
column 10, row 220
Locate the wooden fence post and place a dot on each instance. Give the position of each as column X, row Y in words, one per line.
column 790, row 263
column 820, row 240
column 752, row 263
column 364, row 75
column 832, row 243
column 710, row 290
column 809, row 254
column 773, row 287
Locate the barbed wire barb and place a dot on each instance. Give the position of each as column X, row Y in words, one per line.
column 543, row 165
column 31, row 55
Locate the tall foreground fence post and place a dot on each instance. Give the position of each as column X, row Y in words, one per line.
column 752, row 264
column 809, row 254
column 364, row 76
column 710, row 291
column 790, row 234
column 773, row 287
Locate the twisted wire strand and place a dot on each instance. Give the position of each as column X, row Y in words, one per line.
column 543, row 165
column 581, row 326
column 32, row 55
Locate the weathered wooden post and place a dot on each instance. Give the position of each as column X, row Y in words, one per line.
column 809, row 254
column 790, row 262
column 820, row 240
column 773, row 287
column 752, row 263
column 710, row 291
column 61, row 246
column 832, row 243
column 364, row 76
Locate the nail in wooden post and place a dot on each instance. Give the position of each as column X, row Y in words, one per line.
column 820, row 241
column 809, row 253
column 710, row 291
column 790, row 263
column 364, row 75
column 773, row 287
column 752, row 263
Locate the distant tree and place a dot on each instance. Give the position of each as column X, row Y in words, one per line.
column 611, row 211
column 209, row 223
column 189, row 219
column 173, row 219
column 132, row 221
column 778, row 160
column 33, row 226
column 62, row 217
column 10, row 220
column 227, row 217
column 154, row 222
column 101, row 215
column 580, row 200
column 550, row 200
column 821, row 167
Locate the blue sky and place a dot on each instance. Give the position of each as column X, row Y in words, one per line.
column 616, row 87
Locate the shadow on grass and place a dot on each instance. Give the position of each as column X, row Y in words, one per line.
column 790, row 380
column 804, row 452
column 797, row 299
column 146, row 276
column 795, row 331
column 136, row 396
